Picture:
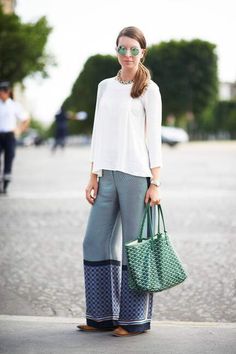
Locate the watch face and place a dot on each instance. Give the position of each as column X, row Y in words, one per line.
column 156, row 183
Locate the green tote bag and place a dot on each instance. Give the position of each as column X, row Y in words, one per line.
column 153, row 264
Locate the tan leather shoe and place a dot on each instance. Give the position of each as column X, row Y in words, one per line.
column 87, row 328
column 121, row 332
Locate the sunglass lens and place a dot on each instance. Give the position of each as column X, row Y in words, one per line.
column 134, row 51
column 122, row 50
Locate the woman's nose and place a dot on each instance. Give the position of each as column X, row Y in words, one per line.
column 128, row 53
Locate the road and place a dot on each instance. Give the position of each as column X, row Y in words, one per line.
column 43, row 220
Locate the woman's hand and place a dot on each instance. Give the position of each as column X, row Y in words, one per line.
column 153, row 193
column 92, row 189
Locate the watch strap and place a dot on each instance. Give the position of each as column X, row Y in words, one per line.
column 156, row 182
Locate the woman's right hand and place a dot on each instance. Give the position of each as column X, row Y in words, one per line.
column 92, row 189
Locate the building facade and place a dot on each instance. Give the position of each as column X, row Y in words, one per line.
column 8, row 6
column 227, row 91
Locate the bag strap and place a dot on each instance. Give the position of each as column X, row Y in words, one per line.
column 160, row 217
column 147, row 213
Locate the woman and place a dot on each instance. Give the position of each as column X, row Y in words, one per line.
column 125, row 175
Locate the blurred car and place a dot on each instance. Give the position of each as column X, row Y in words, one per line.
column 29, row 138
column 173, row 135
column 80, row 139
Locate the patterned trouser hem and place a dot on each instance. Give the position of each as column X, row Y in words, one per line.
column 102, row 324
column 114, row 323
column 109, row 300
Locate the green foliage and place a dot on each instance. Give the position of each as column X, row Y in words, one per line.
column 22, row 48
column 39, row 126
column 50, row 133
column 83, row 95
column 225, row 118
column 186, row 72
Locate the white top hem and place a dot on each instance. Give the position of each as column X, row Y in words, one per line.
column 98, row 171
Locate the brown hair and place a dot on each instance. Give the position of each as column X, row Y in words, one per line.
column 142, row 75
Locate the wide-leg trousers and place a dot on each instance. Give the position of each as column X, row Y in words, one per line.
column 115, row 218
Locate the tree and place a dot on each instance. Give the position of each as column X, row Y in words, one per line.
column 22, row 48
column 83, row 95
column 39, row 126
column 186, row 72
column 225, row 118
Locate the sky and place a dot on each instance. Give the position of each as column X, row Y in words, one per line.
column 85, row 28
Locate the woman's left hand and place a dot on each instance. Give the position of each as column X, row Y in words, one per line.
column 153, row 193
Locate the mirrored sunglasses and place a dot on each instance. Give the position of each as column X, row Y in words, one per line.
column 134, row 51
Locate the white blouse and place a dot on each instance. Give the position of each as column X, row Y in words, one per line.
column 127, row 131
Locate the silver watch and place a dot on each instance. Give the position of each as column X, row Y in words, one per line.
column 156, row 182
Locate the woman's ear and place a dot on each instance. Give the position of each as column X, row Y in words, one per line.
column 143, row 55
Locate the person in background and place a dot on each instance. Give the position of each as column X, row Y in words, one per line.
column 61, row 125
column 61, row 128
column 13, row 121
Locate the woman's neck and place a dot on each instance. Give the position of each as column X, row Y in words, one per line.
column 128, row 74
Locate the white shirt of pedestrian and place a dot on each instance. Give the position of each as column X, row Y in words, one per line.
column 127, row 131
column 10, row 113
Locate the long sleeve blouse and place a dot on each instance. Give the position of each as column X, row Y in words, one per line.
column 126, row 131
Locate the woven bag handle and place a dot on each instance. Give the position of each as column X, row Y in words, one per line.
column 147, row 212
column 160, row 218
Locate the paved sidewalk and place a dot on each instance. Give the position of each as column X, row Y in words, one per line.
column 43, row 222
column 42, row 225
column 56, row 335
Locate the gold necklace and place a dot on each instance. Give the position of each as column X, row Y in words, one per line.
column 118, row 77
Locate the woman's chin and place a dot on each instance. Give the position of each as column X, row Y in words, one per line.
column 129, row 65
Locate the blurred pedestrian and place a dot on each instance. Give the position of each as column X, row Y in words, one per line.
column 61, row 129
column 13, row 121
column 125, row 175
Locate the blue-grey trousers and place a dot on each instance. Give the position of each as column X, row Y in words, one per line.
column 115, row 218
